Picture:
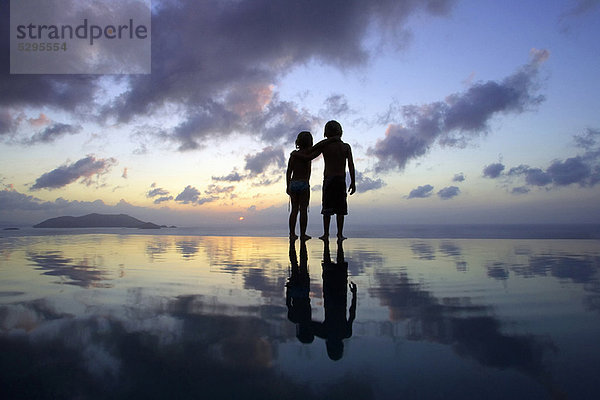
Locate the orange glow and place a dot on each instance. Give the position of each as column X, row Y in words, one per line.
column 242, row 218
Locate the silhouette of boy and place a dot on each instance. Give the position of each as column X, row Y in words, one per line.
column 336, row 154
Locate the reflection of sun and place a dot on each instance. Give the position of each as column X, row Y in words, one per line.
column 241, row 218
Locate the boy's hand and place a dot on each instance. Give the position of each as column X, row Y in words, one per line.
column 352, row 188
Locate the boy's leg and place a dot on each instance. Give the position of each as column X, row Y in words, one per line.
column 326, row 222
column 340, row 226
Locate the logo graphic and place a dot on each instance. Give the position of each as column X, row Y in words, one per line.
column 80, row 37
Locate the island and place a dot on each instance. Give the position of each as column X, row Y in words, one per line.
column 97, row 221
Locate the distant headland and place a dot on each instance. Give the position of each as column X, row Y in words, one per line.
column 98, row 221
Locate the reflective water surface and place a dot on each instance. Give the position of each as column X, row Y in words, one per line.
column 122, row 316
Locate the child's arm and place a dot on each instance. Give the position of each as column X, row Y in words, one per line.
column 316, row 149
column 352, row 187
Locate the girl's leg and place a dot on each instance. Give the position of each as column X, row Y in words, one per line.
column 293, row 217
column 303, row 223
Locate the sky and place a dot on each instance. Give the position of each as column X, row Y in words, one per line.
column 456, row 112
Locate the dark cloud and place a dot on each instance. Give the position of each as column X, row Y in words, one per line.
column 581, row 7
column 8, row 121
column 191, row 195
column 520, row 190
column 364, row 183
column 157, row 192
column 218, row 61
column 53, row 132
column 159, row 195
column 266, row 181
column 234, row 176
column 335, row 105
column 163, row 199
column 449, row 192
column 86, row 168
column 457, row 119
column 216, row 189
column 572, row 170
column 493, row 170
column 460, row 177
column 421, row 192
column 259, row 162
column 583, row 169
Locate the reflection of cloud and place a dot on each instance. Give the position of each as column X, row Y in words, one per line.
column 456, row 322
column 578, row 269
column 450, row 248
column 187, row 247
column 80, row 274
column 423, row 250
column 139, row 355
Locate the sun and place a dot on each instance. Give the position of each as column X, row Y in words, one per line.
column 241, row 218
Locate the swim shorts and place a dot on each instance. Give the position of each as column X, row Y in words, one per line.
column 334, row 196
column 300, row 192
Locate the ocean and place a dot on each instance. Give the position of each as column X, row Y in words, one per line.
column 169, row 314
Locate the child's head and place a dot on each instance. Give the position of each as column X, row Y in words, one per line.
column 333, row 128
column 304, row 140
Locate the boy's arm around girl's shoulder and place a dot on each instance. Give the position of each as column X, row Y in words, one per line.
column 315, row 150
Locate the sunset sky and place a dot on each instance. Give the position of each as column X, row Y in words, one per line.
column 474, row 111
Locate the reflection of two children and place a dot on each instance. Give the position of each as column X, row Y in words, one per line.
column 336, row 326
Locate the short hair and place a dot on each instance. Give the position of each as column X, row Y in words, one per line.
column 333, row 128
column 304, row 140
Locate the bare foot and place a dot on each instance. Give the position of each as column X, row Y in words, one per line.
column 341, row 238
column 293, row 237
column 324, row 237
column 305, row 238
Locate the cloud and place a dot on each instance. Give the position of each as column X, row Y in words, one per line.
column 364, row 183
column 460, row 177
column 234, row 176
column 85, row 168
column 163, row 199
column 191, row 195
column 218, row 62
column 159, row 195
column 582, row 7
column 572, row 170
column 335, row 106
column 421, row 192
column 582, row 169
column 533, row 176
column 216, row 189
column 493, row 170
column 9, row 120
column 52, row 133
column 259, row 162
column 457, row 119
column 520, row 190
column 449, row 192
